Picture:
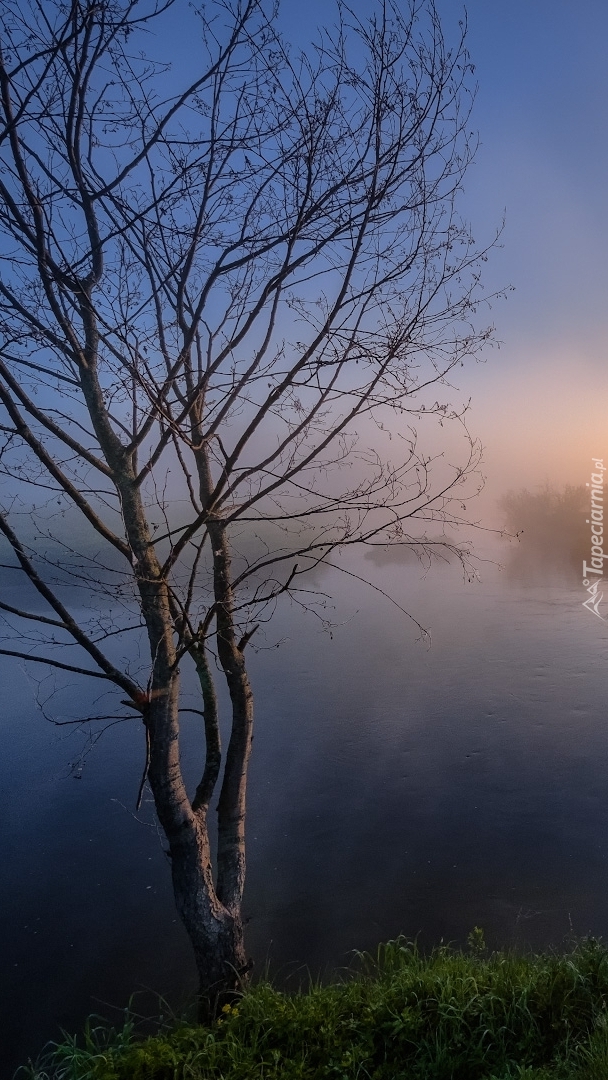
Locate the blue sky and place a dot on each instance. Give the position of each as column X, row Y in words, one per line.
column 540, row 403
column 542, row 115
column 542, row 112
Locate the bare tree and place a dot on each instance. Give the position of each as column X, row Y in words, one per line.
column 217, row 301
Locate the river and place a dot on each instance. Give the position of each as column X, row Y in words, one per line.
column 395, row 788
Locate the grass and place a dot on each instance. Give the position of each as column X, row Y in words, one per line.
column 398, row 1016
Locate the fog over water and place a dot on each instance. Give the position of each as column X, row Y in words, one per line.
column 395, row 788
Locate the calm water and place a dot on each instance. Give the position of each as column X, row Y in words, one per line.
column 394, row 789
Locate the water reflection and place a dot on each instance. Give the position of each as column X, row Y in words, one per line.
column 552, row 537
column 394, row 788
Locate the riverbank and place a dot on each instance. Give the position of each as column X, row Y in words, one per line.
column 448, row 1016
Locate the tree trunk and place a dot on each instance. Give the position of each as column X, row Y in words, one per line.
column 214, row 927
column 232, row 800
column 216, row 933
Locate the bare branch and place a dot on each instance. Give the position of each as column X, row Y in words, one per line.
column 240, row 301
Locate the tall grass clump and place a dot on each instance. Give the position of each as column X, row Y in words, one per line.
column 399, row 1015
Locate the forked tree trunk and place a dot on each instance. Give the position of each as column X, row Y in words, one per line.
column 215, row 932
column 216, row 935
column 211, row 913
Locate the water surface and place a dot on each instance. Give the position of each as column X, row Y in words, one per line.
column 395, row 788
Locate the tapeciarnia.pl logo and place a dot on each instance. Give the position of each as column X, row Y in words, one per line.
column 596, row 521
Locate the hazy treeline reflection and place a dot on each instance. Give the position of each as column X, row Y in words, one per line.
column 552, row 537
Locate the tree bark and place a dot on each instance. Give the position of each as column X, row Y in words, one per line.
column 211, row 916
column 215, row 932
